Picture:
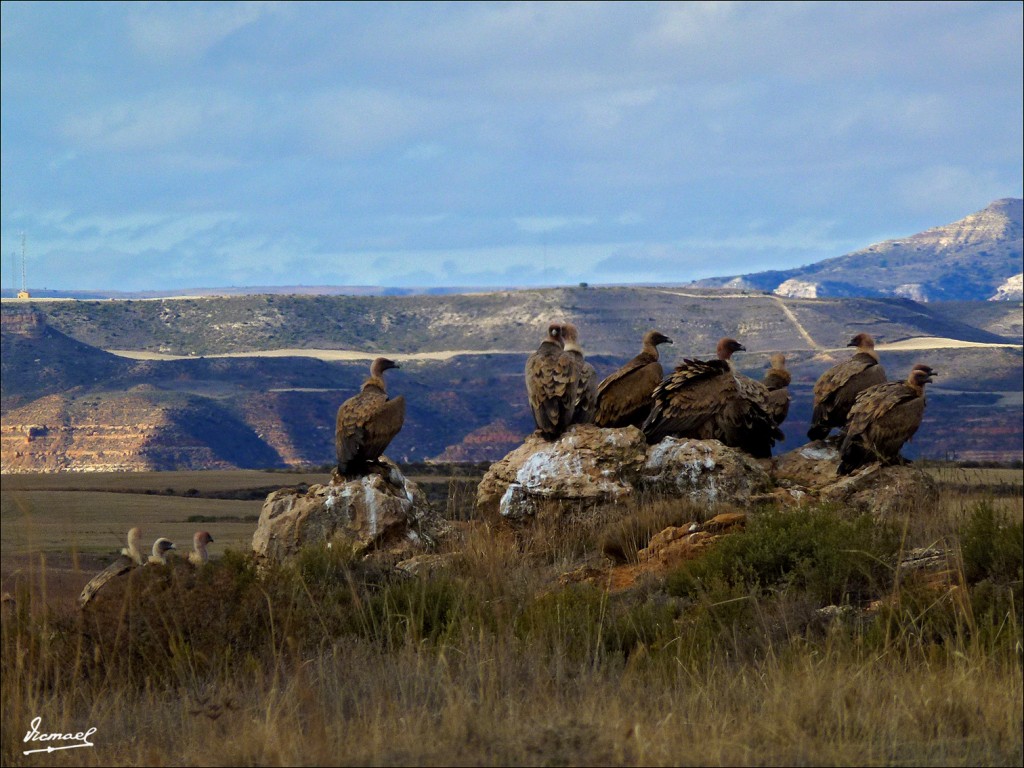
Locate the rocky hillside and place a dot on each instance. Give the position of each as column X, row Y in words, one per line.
column 68, row 403
column 976, row 258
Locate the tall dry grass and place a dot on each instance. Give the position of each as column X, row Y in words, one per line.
column 332, row 661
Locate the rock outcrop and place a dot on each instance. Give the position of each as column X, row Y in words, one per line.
column 880, row 490
column 382, row 512
column 590, row 466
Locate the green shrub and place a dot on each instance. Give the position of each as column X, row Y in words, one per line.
column 992, row 548
column 834, row 559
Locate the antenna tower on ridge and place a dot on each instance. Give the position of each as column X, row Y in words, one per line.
column 23, row 293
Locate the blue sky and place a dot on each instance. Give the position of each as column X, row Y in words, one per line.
column 150, row 146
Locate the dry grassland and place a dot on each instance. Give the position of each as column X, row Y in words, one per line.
column 728, row 661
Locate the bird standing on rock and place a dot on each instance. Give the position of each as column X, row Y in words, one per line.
column 551, row 383
column 368, row 422
column 838, row 387
column 882, row 419
column 777, row 381
column 586, row 377
column 707, row 400
column 624, row 397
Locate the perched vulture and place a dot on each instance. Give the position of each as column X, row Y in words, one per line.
column 882, row 419
column 624, row 398
column 199, row 556
column 777, row 382
column 367, row 422
column 706, row 400
column 160, row 549
column 130, row 557
column 837, row 388
column 551, row 381
column 586, row 378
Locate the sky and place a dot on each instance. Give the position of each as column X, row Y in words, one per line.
column 166, row 146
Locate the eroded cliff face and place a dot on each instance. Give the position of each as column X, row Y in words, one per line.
column 126, row 433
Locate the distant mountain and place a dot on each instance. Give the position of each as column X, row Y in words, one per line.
column 976, row 258
column 67, row 403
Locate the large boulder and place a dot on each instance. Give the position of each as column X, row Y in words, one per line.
column 703, row 471
column 589, row 467
column 381, row 512
column 881, row 490
column 585, row 467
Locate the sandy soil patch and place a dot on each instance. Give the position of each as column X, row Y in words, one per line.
column 328, row 355
column 937, row 342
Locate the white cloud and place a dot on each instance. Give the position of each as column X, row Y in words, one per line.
column 158, row 120
column 543, row 224
column 176, row 31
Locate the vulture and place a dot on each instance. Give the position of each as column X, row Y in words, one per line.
column 707, row 400
column 199, row 556
column 624, row 398
column 130, row 557
column 160, row 549
column 837, row 388
column 777, row 381
column 367, row 422
column 551, row 381
column 882, row 419
column 586, row 378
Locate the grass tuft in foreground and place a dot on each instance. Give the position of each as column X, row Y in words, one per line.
column 335, row 660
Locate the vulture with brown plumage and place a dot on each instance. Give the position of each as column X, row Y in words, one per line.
column 707, row 400
column 624, row 398
column 551, row 381
column 586, row 377
column 777, row 382
column 882, row 419
column 838, row 387
column 368, row 422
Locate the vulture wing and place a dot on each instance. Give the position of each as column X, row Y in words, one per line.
column 551, row 387
column 382, row 426
column 695, row 393
column 837, row 389
column 122, row 564
column 625, row 397
column 881, row 420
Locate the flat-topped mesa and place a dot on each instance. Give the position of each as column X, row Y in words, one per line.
column 367, row 422
column 551, row 382
column 838, row 387
column 624, row 397
column 882, row 419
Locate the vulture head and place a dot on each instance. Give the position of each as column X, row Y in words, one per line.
column 570, row 334
column 862, row 341
column 199, row 542
column 160, row 549
column 554, row 334
column 727, row 346
column 654, row 338
column 134, row 549
column 920, row 375
column 778, row 361
column 926, row 368
column 382, row 364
